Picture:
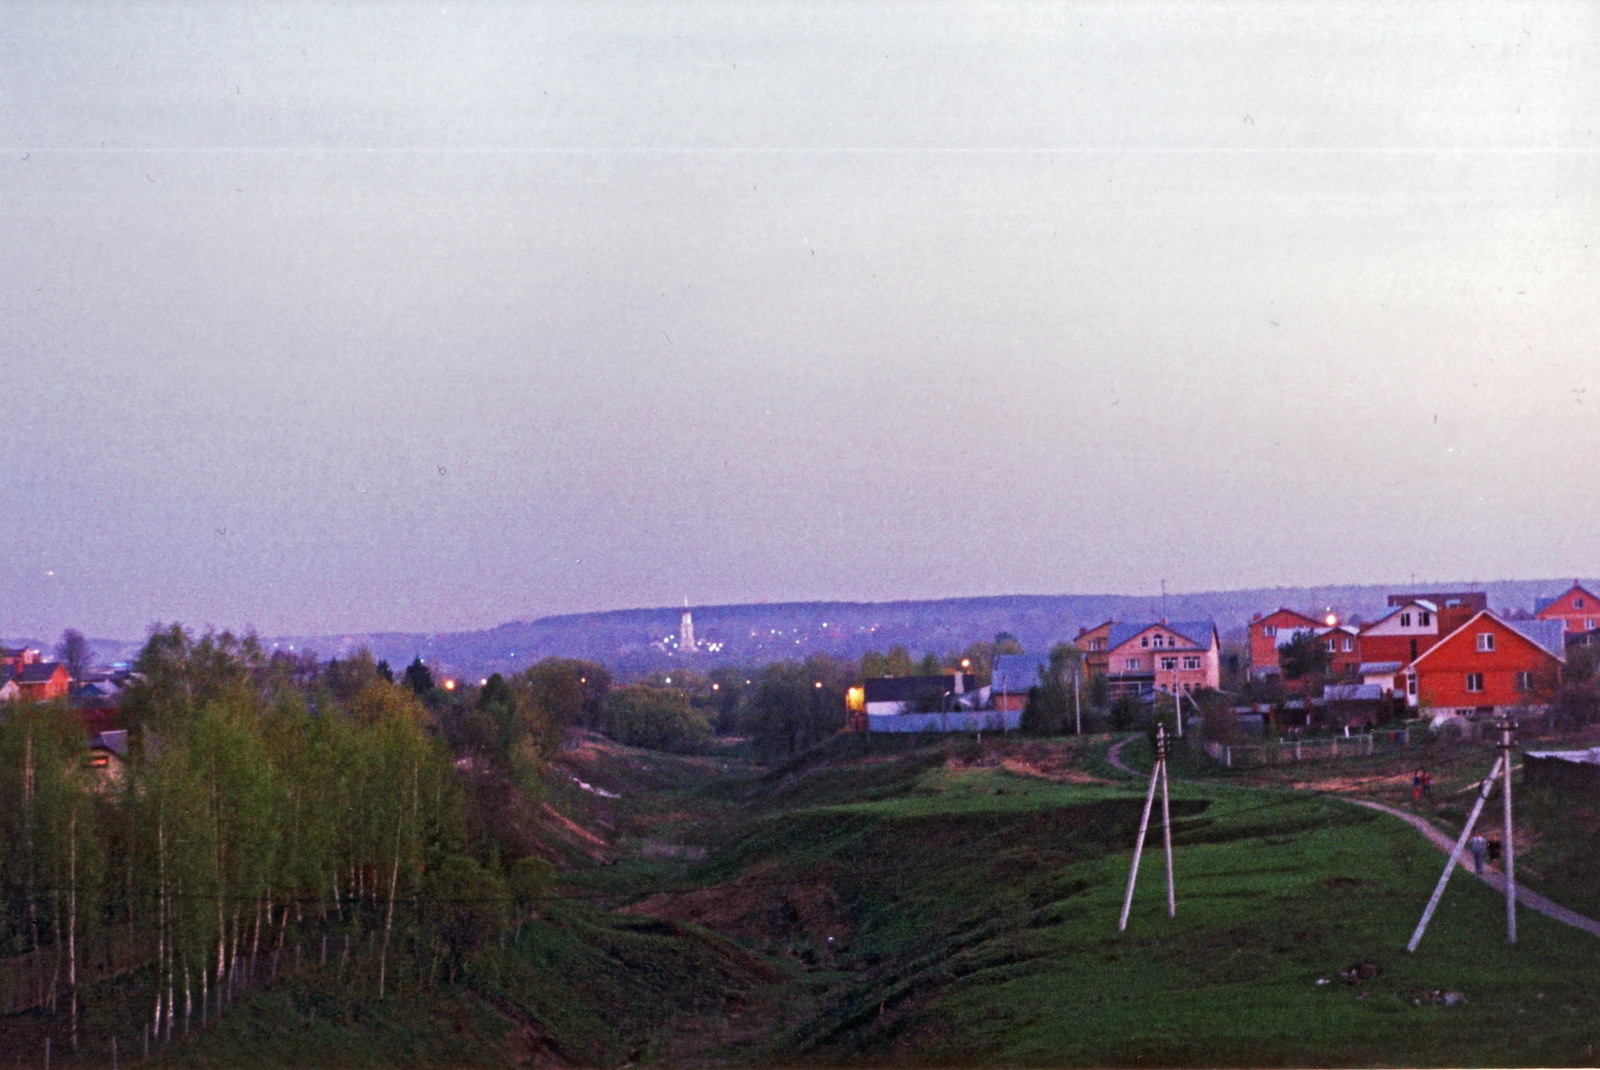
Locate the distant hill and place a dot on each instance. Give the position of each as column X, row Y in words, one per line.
column 640, row 640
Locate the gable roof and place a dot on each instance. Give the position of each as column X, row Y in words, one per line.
column 1295, row 613
column 1550, row 634
column 39, row 672
column 1197, row 632
column 1508, row 625
column 1015, row 673
column 1397, row 610
column 1542, row 604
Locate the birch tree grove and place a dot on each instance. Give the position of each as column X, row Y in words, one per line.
column 258, row 821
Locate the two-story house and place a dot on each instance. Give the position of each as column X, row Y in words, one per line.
column 1488, row 666
column 1178, row 656
column 1577, row 609
column 1270, row 632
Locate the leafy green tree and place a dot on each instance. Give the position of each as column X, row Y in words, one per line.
column 1006, row 643
column 418, row 677
column 658, row 718
column 1049, row 709
column 1305, row 655
column 895, row 663
column 795, row 705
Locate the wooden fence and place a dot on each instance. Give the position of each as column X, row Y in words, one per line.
column 1309, row 750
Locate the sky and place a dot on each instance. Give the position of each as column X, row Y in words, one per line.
column 340, row 317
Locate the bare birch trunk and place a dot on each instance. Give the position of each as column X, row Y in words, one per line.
column 72, row 920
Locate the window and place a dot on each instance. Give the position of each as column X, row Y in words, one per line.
column 1169, row 663
column 1485, row 642
column 1131, row 665
column 1588, row 625
column 1192, row 662
column 1411, row 685
column 1474, row 681
column 1577, row 603
column 1144, row 640
column 1270, row 631
column 1347, row 644
column 1524, row 681
column 1405, row 620
column 1097, row 644
column 1333, row 645
column 1424, row 618
column 1161, row 640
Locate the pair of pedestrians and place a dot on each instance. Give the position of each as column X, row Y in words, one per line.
column 1421, row 786
column 1481, row 848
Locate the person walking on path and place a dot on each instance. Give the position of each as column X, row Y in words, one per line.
column 1427, row 785
column 1478, row 845
column 1416, row 786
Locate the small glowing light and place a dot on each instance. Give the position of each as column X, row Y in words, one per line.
column 449, row 685
column 819, row 683
column 669, row 679
column 1331, row 619
column 483, row 682
column 716, row 687
column 966, row 663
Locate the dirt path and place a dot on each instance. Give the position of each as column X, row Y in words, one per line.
column 1530, row 899
column 1114, row 757
column 1525, row 897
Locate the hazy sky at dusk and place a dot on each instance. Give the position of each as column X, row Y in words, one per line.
column 340, row 317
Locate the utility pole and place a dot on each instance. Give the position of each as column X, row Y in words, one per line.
column 1159, row 772
column 1502, row 765
column 1077, row 699
column 1508, row 728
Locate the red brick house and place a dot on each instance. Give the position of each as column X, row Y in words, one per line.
column 1268, row 633
column 1488, row 666
column 1410, row 630
column 1343, row 643
column 41, row 681
column 1578, row 610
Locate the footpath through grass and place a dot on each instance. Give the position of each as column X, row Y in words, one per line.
column 980, row 916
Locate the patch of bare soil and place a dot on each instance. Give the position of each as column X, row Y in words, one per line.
column 1039, row 759
column 765, row 904
column 591, row 844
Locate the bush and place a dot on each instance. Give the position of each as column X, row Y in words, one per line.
column 659, row 718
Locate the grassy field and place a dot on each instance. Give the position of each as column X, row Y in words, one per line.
column 981, row 916
column 916, row 902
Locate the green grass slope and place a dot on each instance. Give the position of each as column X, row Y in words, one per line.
column 980, row 915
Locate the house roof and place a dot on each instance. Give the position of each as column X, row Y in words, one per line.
column 1542, row 604
column 1352, row 692
column 909, row 688
column 1587, row 757
column 1295, row 613
column 1549, row 634
column 1015, row 673
column 39, row 672
column 1377, row 668
column 1559, row 652
column 1197, row 632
